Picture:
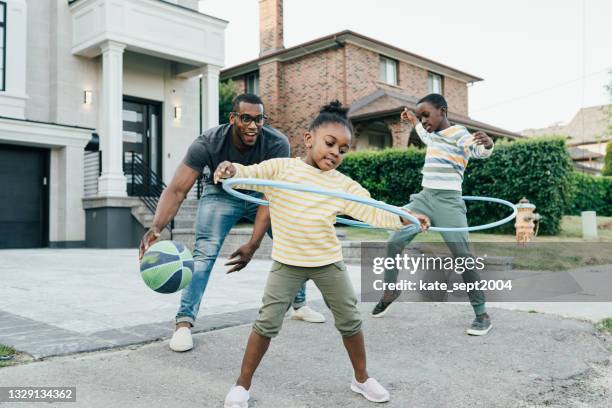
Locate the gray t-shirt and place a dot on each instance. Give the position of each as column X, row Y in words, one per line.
column 215, row 146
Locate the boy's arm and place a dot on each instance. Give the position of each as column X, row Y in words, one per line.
column 408, row 116
column 422, row 133
column 478, row 145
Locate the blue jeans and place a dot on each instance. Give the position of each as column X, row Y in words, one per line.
column 217, row 213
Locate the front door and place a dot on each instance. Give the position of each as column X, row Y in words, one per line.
column 142, row 153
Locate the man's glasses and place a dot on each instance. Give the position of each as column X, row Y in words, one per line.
column 247, row 119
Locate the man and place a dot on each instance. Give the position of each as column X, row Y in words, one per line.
column 244, row 140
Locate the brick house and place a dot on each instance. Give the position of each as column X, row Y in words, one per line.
column 376, row 79
column 587, row 135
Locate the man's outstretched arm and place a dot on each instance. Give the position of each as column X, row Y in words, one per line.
column 169, row 204
column 246, row 251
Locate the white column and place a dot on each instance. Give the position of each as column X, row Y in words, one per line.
column 210, row 96
column 112, row 182
column 67, row 218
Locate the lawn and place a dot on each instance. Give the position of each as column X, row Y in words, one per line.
column 571, row 231
column 551, row 255
column 605, row 325
column 6, row 351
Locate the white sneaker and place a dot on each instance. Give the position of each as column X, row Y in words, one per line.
column 237, row 397
column 371, row 390
column 181, row 340
column 308, row 315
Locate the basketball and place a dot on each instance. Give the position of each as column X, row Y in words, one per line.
column 167, row 266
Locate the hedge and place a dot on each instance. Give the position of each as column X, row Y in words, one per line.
column 538, row 169
column 590, row 193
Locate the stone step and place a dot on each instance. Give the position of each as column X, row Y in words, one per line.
column 181, row 223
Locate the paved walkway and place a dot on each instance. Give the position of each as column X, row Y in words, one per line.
column 60, row 302
column 57, row 302
column 420, row 352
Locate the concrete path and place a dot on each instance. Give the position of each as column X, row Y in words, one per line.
column 57, row 302
column 61, row 302
column 420, row 352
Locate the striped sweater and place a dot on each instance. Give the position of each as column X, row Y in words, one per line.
column 448, row 152
column 303, row 223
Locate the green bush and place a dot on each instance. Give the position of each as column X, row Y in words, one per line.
column 589, row 193
column 538, row 169
column 227, row 93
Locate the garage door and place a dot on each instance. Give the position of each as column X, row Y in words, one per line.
column 23, row 197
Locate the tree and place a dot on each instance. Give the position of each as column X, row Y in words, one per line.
column 227, row 93
column 607, row 169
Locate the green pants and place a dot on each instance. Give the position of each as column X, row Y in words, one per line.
column 285, row 280
column 445, row 208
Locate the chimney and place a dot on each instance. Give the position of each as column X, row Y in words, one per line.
column 270, row 26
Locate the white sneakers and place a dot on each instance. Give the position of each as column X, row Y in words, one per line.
column 237, row 397
column 181, row 340
column 371, row 390
column 307, row 314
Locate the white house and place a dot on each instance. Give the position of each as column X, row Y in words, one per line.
column 133, row 80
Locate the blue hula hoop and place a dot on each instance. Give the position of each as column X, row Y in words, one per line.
column 228, row 183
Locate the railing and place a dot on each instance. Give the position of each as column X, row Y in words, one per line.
column 144, row 183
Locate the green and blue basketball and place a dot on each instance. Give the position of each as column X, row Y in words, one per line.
column 167, row 266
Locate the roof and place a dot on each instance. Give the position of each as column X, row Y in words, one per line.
column 384, row 103
column 579, row 154
column 341, row 38
column 589, row 125
column 588, row 167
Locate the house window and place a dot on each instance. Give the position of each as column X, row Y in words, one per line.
column 434, row 83
column 387, row 70
column 2, row 45
column 252, row 83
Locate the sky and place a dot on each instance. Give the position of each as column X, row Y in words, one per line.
column 541, row 60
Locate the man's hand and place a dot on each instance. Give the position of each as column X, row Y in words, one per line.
column 423, row 220
column 481, row 138
column 243, row 256
column 409, row 116
column 147, row 240
column 225, row 170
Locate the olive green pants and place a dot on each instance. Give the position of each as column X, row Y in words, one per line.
column 445, row 208
column 285, row 280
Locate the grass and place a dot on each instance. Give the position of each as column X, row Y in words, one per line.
column 571, row 231
column 535, row 257
column 6, row 351
column 605, row 325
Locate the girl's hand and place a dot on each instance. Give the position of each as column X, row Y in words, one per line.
column 423, row 220
column 408, row 115
column 225, row 170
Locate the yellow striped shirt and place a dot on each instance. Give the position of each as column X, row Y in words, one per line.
column 303, row 223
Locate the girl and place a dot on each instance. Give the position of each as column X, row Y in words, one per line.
column 305, row 245
column 448, row 150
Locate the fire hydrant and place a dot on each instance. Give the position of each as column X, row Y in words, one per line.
column 526, row 219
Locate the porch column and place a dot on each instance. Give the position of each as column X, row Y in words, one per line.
column 210, row 96
column 111, row 182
